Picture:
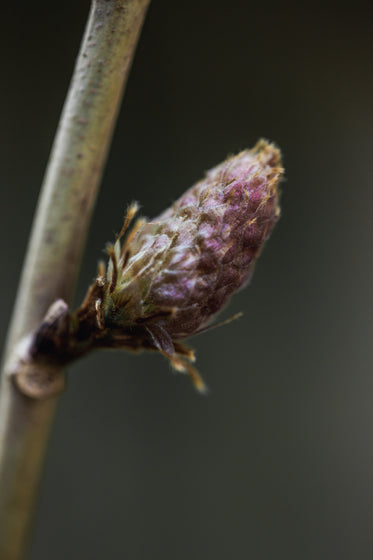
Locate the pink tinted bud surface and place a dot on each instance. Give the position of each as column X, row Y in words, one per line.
column 180, row 269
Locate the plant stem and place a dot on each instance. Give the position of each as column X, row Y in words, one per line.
column 56, row 244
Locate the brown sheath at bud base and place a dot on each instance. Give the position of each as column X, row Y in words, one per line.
column 172, row 275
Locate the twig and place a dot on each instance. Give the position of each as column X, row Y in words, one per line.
column 56, row 245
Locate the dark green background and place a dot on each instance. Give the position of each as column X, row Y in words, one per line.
column 278, row 461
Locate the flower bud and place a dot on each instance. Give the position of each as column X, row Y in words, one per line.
column 173, row 274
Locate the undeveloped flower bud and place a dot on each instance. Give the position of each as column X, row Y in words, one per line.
column 172, row 275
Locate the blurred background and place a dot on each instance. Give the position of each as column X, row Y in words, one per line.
column 277, row 462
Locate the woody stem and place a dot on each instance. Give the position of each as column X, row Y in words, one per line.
column 57, row 240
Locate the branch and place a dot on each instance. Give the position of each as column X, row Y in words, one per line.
column 57, row 240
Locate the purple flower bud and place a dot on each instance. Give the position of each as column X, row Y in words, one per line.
column 173, row 274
